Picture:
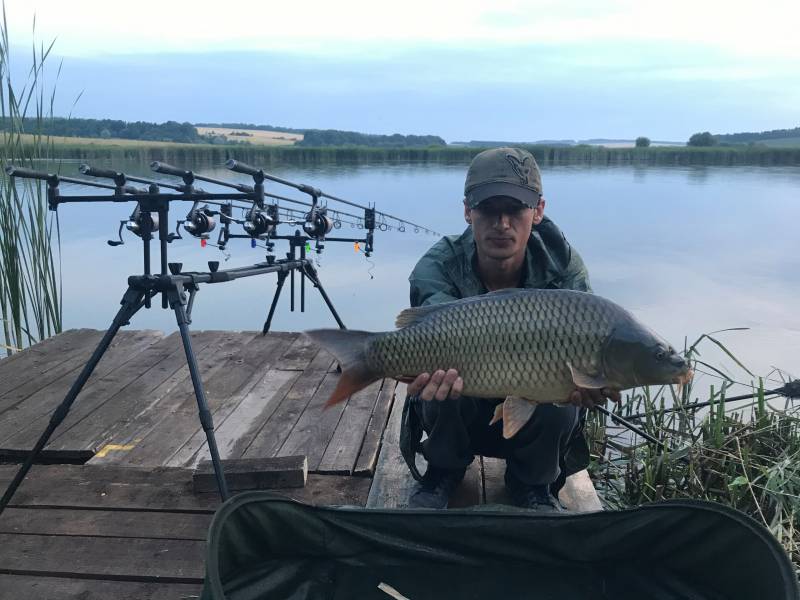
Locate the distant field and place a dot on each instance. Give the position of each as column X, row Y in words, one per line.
column 256, row 136
column 107, row 142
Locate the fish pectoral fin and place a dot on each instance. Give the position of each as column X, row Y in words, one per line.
column 516, row 412
column 498, row 414
column 584, row 380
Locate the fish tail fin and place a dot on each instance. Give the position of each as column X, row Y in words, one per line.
column 349, row 347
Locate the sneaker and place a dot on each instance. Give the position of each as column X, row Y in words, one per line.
column 532, row 497
column 435, row 488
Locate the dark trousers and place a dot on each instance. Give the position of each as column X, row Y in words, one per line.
column 459, row 429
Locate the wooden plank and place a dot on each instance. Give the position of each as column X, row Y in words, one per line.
column 261, row 354
column 106, row 523
column 470, row 491
column 124, row 415
column 125, row 347
column 342, row 451
column 37, row 376
column 577, row 495
column 368, row 455
column 147, row 439
column 239, row 430
column 132, row 559
column 272, row 435
column 39, row 358
column 314, row 428
column 55, row 346
column 393, row 483
column 117, row 487
column 97, row 392
column 16, row 587
column 299, row 355
column 253, row 474
column 59, row 378
column 494, row 485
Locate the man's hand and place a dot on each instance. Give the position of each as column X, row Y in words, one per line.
column 590, row 398
column 441, row 385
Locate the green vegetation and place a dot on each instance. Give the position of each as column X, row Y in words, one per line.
column 171, row 131
column 642, row 142
column 333, row 137
column 703, row 139
column 30, row 282
column 744, row 454
column 199, row 155
column 763, row 136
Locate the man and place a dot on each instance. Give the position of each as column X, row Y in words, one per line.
column 509, row 243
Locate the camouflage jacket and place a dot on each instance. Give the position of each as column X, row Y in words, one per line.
column 447, row 272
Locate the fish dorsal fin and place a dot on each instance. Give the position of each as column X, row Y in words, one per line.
column 412, row 316
column 516, row 412
column 584, row 380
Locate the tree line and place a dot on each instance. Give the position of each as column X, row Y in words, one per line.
column 170, row 131
column 334, row 137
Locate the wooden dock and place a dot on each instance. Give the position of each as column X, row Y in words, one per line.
column 114, row 515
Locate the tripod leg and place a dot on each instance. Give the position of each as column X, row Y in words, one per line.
column 177, row 300
column 268, row 322
column 310, row 272
column 132, row 301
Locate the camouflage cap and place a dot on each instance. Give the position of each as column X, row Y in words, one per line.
column 503, row 172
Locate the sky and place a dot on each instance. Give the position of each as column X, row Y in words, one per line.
column 519, row 71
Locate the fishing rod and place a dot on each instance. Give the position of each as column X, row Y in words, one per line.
column 316, row 193
column 789, row 390
column 178, row 287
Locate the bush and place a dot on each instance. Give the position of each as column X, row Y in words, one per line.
column 642, row 142
column 702, row 139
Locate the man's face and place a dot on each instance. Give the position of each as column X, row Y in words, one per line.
column 502, row 225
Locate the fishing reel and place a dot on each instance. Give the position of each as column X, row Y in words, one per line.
column 199, row 222
column 140, row 223
column 318, row 224
column 259, row 223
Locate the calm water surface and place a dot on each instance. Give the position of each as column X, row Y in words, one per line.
column 687, row 249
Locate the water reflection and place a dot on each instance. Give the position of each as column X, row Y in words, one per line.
column 688, row 249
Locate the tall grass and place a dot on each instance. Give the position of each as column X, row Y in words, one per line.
column 744, row 454
column 205, row 154
column 30, row 277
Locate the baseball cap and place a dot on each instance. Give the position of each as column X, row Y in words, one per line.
column 509, row 172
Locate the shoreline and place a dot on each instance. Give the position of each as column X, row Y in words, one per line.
column 188, row 154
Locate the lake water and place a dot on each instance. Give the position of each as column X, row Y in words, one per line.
column 689, row 250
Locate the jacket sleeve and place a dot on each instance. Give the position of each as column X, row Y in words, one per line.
column 576, row 277
column 430, row 285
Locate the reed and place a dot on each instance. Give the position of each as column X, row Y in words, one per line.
column 30, row 276
column 191, row 155
column 746, row 456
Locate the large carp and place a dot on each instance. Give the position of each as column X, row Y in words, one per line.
column 526, row 345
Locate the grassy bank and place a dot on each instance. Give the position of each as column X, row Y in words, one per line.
column 203, row 154
column 744, row 454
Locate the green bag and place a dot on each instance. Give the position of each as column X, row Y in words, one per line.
column 263, row 546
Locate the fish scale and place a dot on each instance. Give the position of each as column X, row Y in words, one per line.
column 517, row 343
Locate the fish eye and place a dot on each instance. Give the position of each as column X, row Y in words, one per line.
column 660, row 354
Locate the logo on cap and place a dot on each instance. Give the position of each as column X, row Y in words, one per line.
column 521, row 167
